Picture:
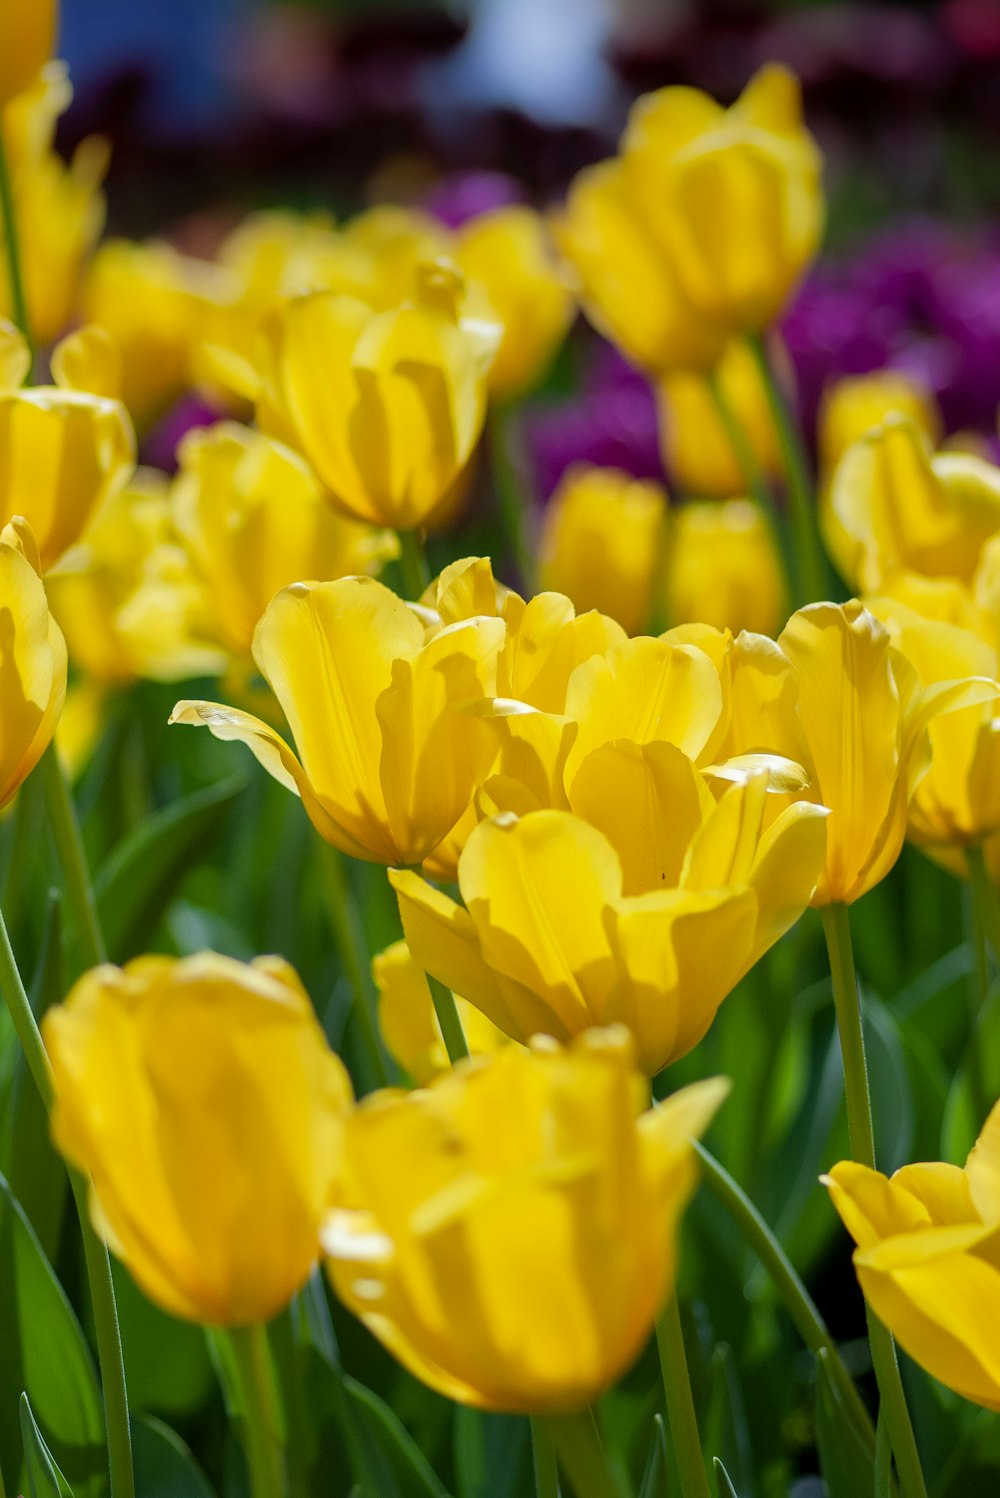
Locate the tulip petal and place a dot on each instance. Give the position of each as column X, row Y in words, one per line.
column 983, row 1168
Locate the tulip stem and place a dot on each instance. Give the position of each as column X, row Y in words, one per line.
column 102, row 1290
column 847, row 1001
column 984, row 894
column 581, row 1453
column 681, row 1415
column 15, row 269
column 413, row 564
column 69, row 846
column 448, row 1018
column 509, row 489
column 544, row 1460
column 810, row 566
column 256, row 1399
column 744, row 453
column 348, row 932
column 798, row 1302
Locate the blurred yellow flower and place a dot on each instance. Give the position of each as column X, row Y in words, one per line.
column 903, row 507
column 127, row 598
column 733, row 196
column 381, row 708
column 27, row 41
column 602, row 543
column 387, row 406
column 647, row 914
column 926, row 1259
column 519, row 1269
column 507, row 252
column 857, row 404
column 32, row 661
column 254, row 520
column 200, row 1096
column 62, row 454
column 408, row 1023
column 698, row 454
column 723, row 567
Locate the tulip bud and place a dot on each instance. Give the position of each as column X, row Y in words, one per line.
column 522, row 1274
column 723, row 567
column 697, row 452
column 203, row 1101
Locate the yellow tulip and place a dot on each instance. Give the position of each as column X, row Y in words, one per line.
column 857, row 404
column 733, row 197
column 508, row 254
column 724, row 568
column 696, row 449
column 62, row 454
column 627, row 288
column 601, row 542
column 836, row 698
column 648, row 920
column 958, row 799
column 386, row 406
column 88, row 359
column 32, row 661
column 519, row 1269
column 127, row 598
column 200, row 1096
column 381, row 709
column 254, row 519
column 903, row 507
column 27, row 41
column 927, row 1262
column 408, row 1023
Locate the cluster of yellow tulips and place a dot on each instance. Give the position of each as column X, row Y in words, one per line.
column 600, row 804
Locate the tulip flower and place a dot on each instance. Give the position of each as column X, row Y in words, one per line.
column 127, row 597
column 386, row 406
column 958, row 800
column 32, row 661
column 733, row 197
column 601, row 540
column 409, row 1024
column 697, row 451
column 647, row 920
column 926, row 1260
column 254, row 519
column 381, row 709
column 724, row 568
column 527, row 1277
column 858, row 404
column 627, row 286
column 507, row 253
column 27, row 41
column 903, row 507
column 200, row 1096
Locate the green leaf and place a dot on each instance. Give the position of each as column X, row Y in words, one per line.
column 164, row 1467
column 45, row 1354
column 410, row 1474
column 724, row 1482
column 140, row 878
column 44, row 1478
column 654, row 1478
column 847, row 1465
column 492, row 1454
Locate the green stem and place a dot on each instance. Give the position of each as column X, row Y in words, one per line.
column 69, row 847
column 985, row 896
column 15, row 269
column 810, row 566
column 978, row 994
column 798, row 1302
column 742, row 449
column 446, row 1010
column 847, row 1001
column 257, row 1405
column 509, row 488
column 581, row 1455
column 544, row 1460
column 102, row 1291
column 681, row 1415
column 883, row 1460
column 413, row 564
column 348, row 931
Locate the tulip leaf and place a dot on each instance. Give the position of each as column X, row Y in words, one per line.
column 44, row 1478
column 654, row 1478
column 45, row 1354
column 141, row 876
column 411, row 1475
column 847, row 1464
column 164, row 1467
column 723, row 1481
column 492, row 1455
